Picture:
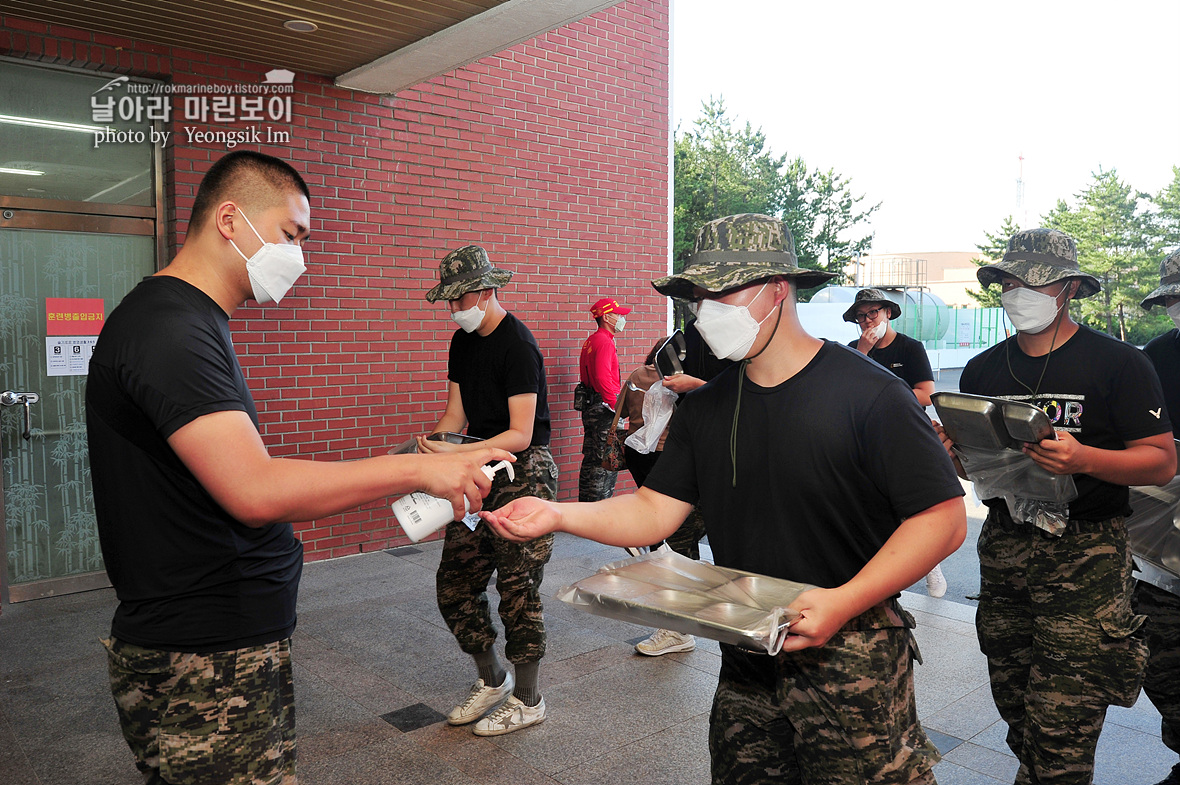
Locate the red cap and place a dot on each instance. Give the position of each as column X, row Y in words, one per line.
column 608, row 305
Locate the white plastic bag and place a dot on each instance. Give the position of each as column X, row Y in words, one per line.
column 658, row 405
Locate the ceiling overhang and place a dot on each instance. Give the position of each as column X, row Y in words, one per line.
column 492, row 31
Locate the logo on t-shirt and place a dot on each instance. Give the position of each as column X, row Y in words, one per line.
column 1063, row 410
column 1156, row 412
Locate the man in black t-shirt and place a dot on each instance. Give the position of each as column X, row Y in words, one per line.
column 906, row 358
column 1161, row 680
column 194, row 516
column 810, row 463
column 1055, row 617
column 872, row 311
column 495, row 390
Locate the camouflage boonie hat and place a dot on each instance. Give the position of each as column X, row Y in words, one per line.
column 1039, row 257
column 872, row 296
column 737, row 250
column 466, row 270
column 1169, row 281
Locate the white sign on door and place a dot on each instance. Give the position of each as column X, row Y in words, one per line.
column 68, row 355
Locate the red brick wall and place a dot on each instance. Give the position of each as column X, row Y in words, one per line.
column 553, row 155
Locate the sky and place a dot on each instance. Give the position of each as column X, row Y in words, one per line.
column 928, row 106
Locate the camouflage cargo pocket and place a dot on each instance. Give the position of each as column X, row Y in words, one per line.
column 1122, row 651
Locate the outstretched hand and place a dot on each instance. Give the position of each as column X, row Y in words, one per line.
column 523, row 519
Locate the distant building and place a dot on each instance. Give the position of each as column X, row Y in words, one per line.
column 946, row 274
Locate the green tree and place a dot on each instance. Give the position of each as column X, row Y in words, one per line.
column 991, row 251
column 1165, row 221
column 1114, row 236
column 722, row 169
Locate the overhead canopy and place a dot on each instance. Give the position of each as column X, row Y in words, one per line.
column 379, row 46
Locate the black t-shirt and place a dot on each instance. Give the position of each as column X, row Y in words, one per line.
column 490, row 370
column 1164, row 353
column 188, row 576
column 829, row 464
column 1102, row 391
column 905, row 357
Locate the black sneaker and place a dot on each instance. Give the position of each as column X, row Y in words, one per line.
column 1173, row 778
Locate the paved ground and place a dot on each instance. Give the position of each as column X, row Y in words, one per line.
column 376, row 669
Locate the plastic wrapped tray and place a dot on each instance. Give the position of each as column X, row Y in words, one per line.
column 1154, row 531
column 665, row 589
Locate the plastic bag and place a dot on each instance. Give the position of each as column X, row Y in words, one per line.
column 1033, row 495
column 658, row 404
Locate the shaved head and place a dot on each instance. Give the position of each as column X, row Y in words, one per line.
column 254, row 180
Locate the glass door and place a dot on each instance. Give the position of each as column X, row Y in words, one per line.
column 57, row 287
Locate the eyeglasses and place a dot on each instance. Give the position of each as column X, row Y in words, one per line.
column 865, row 316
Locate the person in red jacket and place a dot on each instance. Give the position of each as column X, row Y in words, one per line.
column 595, row 397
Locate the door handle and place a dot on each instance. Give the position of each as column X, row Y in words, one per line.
column 26, row 399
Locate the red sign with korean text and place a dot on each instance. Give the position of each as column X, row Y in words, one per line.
column 74, row 315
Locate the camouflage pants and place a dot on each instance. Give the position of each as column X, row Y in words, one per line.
column 207, row 719
column 840, row 713
column 1161, row 682
column 470, row 557
column 1061, row 639
column 595, row 482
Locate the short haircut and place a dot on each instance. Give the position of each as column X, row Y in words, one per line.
column 256, row 179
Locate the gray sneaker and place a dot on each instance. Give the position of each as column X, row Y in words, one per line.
column 511, row 716
column 665, row 642
column 481, row 700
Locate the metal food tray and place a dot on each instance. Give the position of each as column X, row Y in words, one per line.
column 665, row 589
column 1153, row 529
column 990, row 423
column 411, row 446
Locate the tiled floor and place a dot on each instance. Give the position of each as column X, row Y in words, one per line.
column 376, row 669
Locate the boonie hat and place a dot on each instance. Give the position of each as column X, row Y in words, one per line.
column 1039, row 257
column 608, row 305
column 872, row 296
column 1169, row 281
column 466, row 270
column 737, row 250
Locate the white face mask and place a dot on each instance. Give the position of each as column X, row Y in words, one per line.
column 469, row 319
column 620, row 323
column 729, row 330
column 1030, row 311
column 1174, row 312
column 273, row 268
column 878, row 332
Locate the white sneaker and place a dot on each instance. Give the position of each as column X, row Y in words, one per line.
column 935, row 582
column 666, row 642
column 481, row 700
column 512, row 715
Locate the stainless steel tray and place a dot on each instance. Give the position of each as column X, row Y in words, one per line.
column 665, row 589
column 972, row 420
column 989, row 423
column 411, row 446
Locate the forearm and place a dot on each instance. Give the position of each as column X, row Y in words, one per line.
column 512, row 440
column 635, row 519
column 918, row 544
column 1142, row 464
column 288, row 489
column 450, row 422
